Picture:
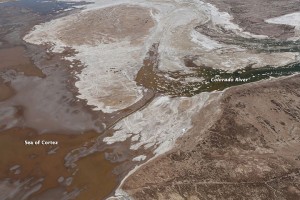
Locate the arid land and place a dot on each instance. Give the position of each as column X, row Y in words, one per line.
column 127, row 89
column 245, row 143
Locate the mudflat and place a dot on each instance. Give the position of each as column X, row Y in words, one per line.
column 15, row 59
column 149, row 99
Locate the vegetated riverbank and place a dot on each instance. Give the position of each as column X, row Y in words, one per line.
column 205, row 79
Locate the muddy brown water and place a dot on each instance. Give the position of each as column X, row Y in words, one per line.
column 93, row 174
column 38, row 102
column 15, row 59
column 207, row 79
column 5, row 91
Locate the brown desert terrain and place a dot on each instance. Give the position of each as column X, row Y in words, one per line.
column 248, row 148
column 245, row 143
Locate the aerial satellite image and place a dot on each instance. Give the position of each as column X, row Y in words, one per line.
column 149, row 100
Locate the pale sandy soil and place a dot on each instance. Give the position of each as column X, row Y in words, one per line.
column 228, row 138
column 110, row 46
column 109, row 25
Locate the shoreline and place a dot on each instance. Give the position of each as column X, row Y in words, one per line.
column 103, row 93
